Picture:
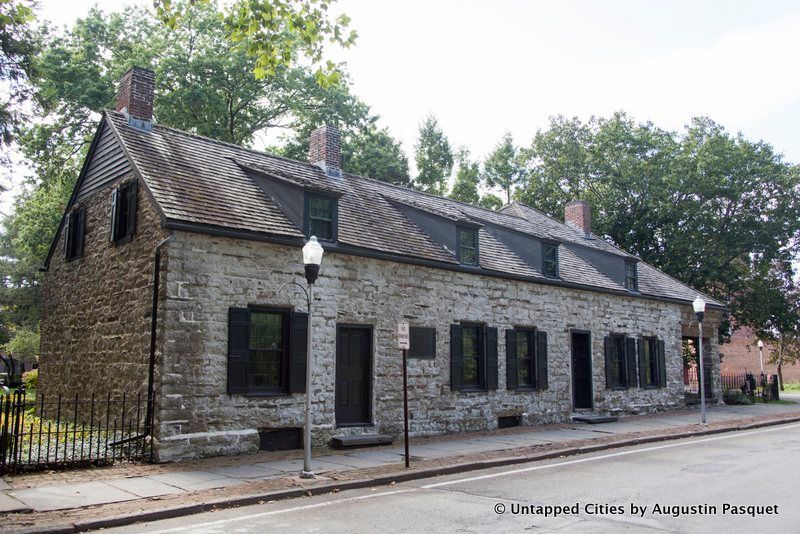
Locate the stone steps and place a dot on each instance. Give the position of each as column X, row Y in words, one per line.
column 361, row 440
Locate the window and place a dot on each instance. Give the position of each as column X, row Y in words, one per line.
column 123, row 213
column 526, row 359
column 631, row 276
column 467, row 246
column 652, row 363
column 550, row 260
column 473, row 357
column 74, row 228
column 620, row 362
column 422, row 343
column 266, row 351
column 321, row 217
column 472, row 351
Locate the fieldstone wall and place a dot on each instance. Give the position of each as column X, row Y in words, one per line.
column 96, row 309
column 208, row 275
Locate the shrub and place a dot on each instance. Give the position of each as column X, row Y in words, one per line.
column 31, row 379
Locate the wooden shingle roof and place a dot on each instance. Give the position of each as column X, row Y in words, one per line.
column 201, row 182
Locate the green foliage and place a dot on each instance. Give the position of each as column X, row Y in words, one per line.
column 24, row 345
column 468, row 177
column 18, row 44
column 701, row 205
column 374, row 153
column 503, row 168
column 434, row 158
column 491, row 202
column 31, row 379
column 276, row 32
column 204, row 86
column 24, row 243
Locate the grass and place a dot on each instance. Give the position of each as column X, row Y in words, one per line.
column 793, row 387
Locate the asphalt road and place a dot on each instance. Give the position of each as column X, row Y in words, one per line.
column 756, row 469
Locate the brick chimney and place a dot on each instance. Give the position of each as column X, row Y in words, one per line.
column 135, row 92
column 577, row 215
column 325, row 150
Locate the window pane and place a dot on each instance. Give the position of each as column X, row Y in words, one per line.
column 524, row 375
column 618, row 370
column 550, row 261
column 266, row 349
column 468, row 246
column 320, row 208
column 321, row 229
column 472, row 355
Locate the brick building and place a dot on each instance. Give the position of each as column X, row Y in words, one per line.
column 515, row 316
column 741, row 354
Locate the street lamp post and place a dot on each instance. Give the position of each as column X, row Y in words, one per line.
column 312, row 257
column 761, row 355
column 699, row 306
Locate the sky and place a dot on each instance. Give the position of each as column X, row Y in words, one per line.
column 484, row 68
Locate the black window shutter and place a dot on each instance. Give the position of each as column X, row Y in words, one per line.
column 609, row 349
column 512, row 378
column 298, row 357
column 79, row 235
column 642, row 363
column 114, row 201
column 131, row 200
column 456, row 358
column 541, row 360
column 662, row 365
column 491, row 358
column 67, row 234
column 238, row 349
column 630, row 361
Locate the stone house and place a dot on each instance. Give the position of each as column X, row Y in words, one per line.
column 516, row 318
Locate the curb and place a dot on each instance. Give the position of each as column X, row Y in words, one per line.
column 246, row 500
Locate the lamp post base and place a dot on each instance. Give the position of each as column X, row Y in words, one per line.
column 307, row 474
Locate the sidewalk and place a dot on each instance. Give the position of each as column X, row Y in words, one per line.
column 75, row 496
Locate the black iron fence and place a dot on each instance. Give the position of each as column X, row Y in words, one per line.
column 691, row 382
column 39, row 432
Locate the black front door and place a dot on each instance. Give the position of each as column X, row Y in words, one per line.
column 581, row 370
column 353, row 358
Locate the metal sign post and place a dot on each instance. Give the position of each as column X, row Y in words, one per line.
column 403, row 342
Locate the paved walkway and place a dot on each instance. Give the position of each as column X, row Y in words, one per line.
column 71, row 496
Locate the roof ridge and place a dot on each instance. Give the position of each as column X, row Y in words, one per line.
column 223, row 143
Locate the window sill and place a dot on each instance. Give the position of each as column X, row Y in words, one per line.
column 473, row 390
column 261, row 394
column 620, row 388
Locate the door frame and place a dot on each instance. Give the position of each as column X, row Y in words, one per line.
column 572, row 370
column 370, row 367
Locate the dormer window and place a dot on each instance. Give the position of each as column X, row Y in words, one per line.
column 631, row 276
column 467, row 246
column 321, row 216
column 550, row 260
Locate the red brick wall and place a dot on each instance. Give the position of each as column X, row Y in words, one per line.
column 742, row 354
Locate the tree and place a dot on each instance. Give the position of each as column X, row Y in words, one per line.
column 276, row 32
column 771, row 303
column 502, row 167
column 374, row 153
column 18, row 44
column 24, row 345
column 434, row 158
column 24, row 243
column 468, row 177
column 699, row 204
column 204, row 86
column 491, row 202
